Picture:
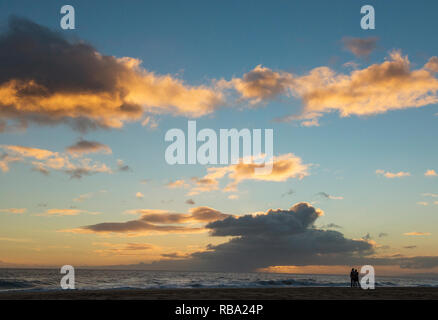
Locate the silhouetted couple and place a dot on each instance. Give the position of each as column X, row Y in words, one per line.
column 354, row 277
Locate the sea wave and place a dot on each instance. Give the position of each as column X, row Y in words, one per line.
column 15, row 284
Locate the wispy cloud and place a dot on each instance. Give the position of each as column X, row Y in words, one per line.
column 65, row 212
column 328, row 196
column 84, row 146
column 392, row 175
column 14, row 210
column 43, row 160
column 360, row 47
column 177, row 184
column 156, row 221
column 415, row 233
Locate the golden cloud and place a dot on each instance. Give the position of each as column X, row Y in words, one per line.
column 284, row 167
column 47, row 80
column 44, row 160
column 14, row 210
column 156, row 221
column 392, row 175
column 415, row 233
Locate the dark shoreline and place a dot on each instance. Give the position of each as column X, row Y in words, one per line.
column 308, row 293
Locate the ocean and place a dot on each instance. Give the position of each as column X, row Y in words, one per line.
column 49, row 279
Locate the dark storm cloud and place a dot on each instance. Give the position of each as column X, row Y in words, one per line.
column 275, row 222
column 29, row 51
column 278, row 237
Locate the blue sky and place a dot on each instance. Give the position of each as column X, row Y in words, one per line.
column 199, row 42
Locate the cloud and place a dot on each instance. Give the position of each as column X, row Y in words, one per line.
column 366, row 237
column 284, row 167
column 83, row 147
column 331, row 226
column 44, row 160
column 433, row 195
column 351, row 64
column 5, row 159
column 190, row 201
column 376, row 89
column 156, row 221
column 409, row 247
column 29, row 152
column 150, row 122
column 48, row 80
column 19, row 240
column 121, row 166
column 432, row 64
column 276, row 237
column 14, row 210
column 288, row 193
column 360, row 47
column 174, row 255
column 261, row 84
column 65, row 212
column 85, row 196
column 422, row 203
column 430, row 173
column 327, row 196
column 415, row 233
column 177, row 184
column 391, row 175
column 139, row 195
column 123, row 249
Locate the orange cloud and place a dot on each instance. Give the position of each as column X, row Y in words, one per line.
column 124, row 249
column 391, row 175
column 139, row 195
column 39, row 154
column 44, row 160
column 65, row 212
column 378, row 88
column 177, row 184
column 414, row 233
column 430, row 173
column 260, row 84
column 156, row 221
column 14, row 210
column 285, row 167
column 82, row 87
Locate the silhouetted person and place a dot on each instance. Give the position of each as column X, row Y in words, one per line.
column 352, row 274
column 356, row 278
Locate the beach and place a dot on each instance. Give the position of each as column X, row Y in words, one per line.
column 309, row 293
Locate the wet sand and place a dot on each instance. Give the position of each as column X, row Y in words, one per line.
column 231, row 294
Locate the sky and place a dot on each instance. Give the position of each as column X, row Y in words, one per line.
column 84, row 112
